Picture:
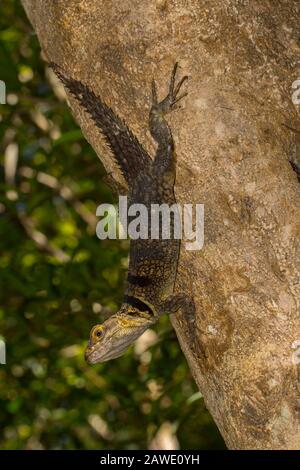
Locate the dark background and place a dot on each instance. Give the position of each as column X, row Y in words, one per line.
column 58, row 279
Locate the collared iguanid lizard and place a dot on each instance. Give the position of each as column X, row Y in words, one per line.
column 152, row 262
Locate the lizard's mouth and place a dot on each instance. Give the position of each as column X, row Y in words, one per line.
column 110, row 350
column 88, row 354
column 92, row 356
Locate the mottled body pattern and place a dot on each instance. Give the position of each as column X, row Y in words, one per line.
column 153, row 262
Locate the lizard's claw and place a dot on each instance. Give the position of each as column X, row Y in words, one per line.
column 174, row 92
column 173, row 97
column 168, row 103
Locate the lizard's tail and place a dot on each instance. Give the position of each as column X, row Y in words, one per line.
column 128, row 152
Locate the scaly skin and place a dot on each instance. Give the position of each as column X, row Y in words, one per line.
column 153, row 262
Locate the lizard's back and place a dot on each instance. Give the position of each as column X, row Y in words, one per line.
column 153, row 262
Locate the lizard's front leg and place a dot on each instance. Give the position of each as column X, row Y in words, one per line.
column 179, row 301
column 185, row 303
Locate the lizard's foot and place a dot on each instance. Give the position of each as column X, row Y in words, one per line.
column 168, row 103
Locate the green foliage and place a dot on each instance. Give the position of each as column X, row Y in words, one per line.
column 57, row 279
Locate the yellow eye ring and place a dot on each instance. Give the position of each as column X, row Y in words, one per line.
column 98, row 332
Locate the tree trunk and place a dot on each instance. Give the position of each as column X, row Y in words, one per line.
column 233, row 142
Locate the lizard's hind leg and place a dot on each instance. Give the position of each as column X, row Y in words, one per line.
column 159, row 128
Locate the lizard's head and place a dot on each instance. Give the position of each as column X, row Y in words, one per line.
column 110, row 339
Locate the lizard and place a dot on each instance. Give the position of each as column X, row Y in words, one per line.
column 152, row 268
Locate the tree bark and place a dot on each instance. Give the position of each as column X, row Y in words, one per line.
column 233, row 148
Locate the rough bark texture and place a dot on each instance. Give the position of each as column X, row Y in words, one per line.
column 233, row 152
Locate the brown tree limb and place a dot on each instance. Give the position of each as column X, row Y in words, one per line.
column 233, row 156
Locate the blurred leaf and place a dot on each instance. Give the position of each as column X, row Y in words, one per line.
column 67, row 137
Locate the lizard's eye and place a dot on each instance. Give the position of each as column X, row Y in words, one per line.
column 98, row 332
